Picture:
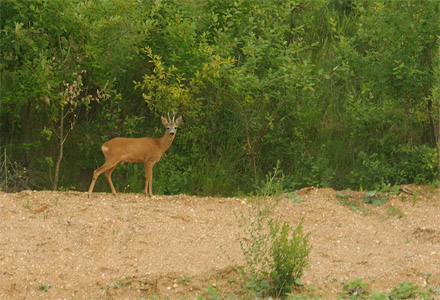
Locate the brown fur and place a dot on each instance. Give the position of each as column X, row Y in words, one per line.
column 146, row 150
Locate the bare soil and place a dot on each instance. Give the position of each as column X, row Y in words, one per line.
column 62, row 245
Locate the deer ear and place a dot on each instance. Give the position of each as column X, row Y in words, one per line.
column 178, row 121
column 164, row 121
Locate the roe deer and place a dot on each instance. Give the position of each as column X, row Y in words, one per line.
column 146, row 150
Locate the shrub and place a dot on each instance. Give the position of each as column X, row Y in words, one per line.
column 13, row 176
column 275, row 253
column 356, row 289
column 289, row 253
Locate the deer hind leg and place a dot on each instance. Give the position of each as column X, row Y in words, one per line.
column 105, row 167
column 148, row 179
column 108, row 175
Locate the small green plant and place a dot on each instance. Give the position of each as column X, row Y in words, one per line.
column 213, row 295
column 27, row 292
column 45, row 214
column 27, row 205
column 275, row 253
column 429, row 293
column 415, row 198
column 379, row 296
column 115, row 233
column 184, row 280
column 67, row 231
column 355, row 290
column 294, row 197
column 310, row 294
column 289, row 253
column 395, row 212
column 44, row 287
column 255, row 245
column 273, row 185
column 381, row 195
column 113, row 284
column 66, row 189
column 344, row 200
column 405, row 290
column 408, row 290
column 256, row 240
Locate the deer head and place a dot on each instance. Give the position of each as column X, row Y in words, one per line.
column 171, row 124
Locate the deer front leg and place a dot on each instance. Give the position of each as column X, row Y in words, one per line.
column 149, row 179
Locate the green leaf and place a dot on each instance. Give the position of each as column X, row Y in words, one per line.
column 371, row 193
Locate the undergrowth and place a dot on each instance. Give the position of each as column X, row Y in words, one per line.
column 357, row 289
column 352, row 290
column 275, row 253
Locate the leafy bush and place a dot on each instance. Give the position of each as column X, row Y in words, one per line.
column 13, row 176
column 289, row 252
column 380, row 195
column 356, row 289
column 273, row 185
column 405, row 290
column 404, row 164
column 275, row 252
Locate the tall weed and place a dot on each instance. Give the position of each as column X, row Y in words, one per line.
column 275, row 253
column 289, row 251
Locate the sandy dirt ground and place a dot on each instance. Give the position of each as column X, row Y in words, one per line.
column 62, row 245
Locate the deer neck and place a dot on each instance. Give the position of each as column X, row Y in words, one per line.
column 166, row 141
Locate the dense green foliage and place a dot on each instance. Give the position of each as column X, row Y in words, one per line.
column 343, row 93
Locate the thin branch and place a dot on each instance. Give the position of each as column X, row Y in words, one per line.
column 409, row 8
column 252, row 152
column 52, row 124
column 248, row 138
column 68, row 49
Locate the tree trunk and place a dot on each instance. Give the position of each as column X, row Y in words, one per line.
column 26, row 124
column 60, row 151
column 251, row 149
column 431, row 112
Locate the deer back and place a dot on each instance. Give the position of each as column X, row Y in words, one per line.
column 134, row 149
